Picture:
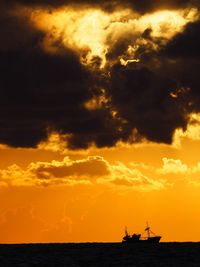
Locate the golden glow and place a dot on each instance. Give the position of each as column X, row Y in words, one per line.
column 93, row 32
column 83, row 30
column 126, row 62
column 129, row 56
column 166, row 23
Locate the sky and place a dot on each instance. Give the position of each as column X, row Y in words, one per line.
column 100, row 119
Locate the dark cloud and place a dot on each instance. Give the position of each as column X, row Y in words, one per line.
column 89, row 168
column 151, row 5
column 156, row 95
column 138, row 5
column 185, row 44
column 41, row 91
column 38, row 90
column 184, row 50
column 142, row 97
column 106, row 5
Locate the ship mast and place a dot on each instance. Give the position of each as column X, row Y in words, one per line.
column 147, row 229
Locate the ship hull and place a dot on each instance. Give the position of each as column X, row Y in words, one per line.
column 154, row 240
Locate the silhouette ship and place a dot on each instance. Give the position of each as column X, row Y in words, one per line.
column 138, row 238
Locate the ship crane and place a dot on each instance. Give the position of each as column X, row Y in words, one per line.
column 148, row 230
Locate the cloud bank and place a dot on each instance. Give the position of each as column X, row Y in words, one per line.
column 97, row 73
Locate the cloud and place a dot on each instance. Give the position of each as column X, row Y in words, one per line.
column 189, row 175
column 185, row 44
column 182, row 49
column 50, row 74
column 93, row 170
column 173, row 166
column 141, row 6
column 149, row 6
column 95, row 34
column 98, row 172
column 192, row 132
column 132, row 178
column 66, row 172
column 176, row 166
column 86, row 169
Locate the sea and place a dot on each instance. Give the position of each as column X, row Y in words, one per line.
column 100, row 254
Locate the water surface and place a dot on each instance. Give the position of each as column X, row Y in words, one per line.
column 101, row 254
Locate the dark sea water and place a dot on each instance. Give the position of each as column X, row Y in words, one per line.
column 101, row 254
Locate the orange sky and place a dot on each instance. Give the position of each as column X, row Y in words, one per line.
column 93, row 194
column 53, row 194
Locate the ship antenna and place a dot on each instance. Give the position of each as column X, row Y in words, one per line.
column 126, row 231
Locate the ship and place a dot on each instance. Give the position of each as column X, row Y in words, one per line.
column 138, row 238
